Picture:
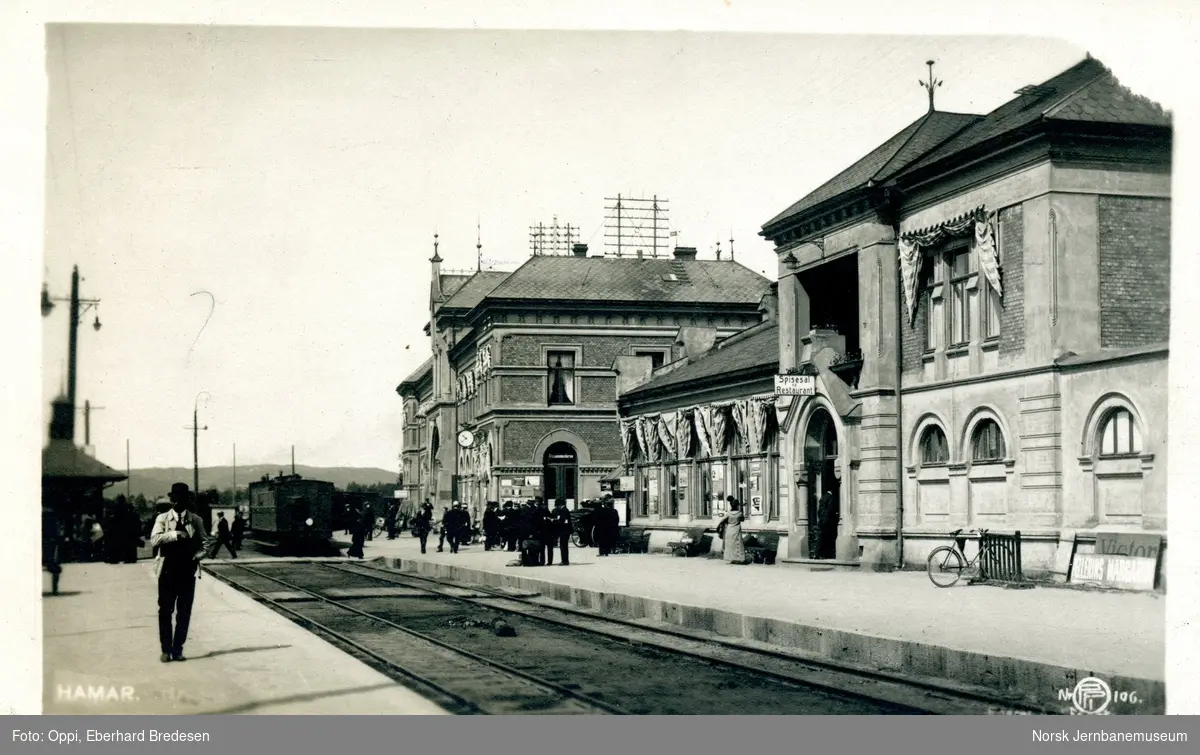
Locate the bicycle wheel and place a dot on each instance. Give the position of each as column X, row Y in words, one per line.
column 945, row 566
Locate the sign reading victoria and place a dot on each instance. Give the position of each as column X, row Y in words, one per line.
column 1122, row 560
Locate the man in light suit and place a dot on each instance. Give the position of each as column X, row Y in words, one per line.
column 179, row 536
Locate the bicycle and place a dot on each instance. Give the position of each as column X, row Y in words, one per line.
column 946, row 563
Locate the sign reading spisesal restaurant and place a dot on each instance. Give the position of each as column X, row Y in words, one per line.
column 795, row 385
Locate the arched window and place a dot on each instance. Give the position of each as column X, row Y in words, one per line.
column 1120, row 435
column 934, row 449
column 987, row 442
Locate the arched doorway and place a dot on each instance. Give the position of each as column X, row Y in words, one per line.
column 820, row 463
column 560, row 473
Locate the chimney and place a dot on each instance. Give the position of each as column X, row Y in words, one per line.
column 62, row 420
column 579, row 250
column 768, row 305
column 685, row 252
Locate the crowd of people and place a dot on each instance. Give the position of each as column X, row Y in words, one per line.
column 532, row 527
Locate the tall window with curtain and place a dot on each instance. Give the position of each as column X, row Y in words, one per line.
column 561, row 366
column 987, row 442
column 958, row 267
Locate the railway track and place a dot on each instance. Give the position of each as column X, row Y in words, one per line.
column 637, row 669
column 455, row 678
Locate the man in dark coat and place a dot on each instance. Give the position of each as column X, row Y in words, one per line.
column 179, row 535
column 389, row 519
column 448, row 524
column 491, row 526
column 51, row 546
column 223, row 537
column 422, row 523
column 827, row 521
column 238, row 530
column 546, row 531
column 560, row 520
column 608, row 525
column 359, row 524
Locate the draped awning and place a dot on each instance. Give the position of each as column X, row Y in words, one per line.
column 976, row 223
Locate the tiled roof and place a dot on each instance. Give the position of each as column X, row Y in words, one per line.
column 632, row 280
column 62, row 459
column 1104, row 100
column 474, row 289
column 760, row 349
column 451, row 282
column 893, row 155
column 1085, row 91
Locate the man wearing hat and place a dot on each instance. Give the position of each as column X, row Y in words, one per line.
column 179, row 536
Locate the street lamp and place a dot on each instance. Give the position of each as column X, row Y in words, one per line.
column 78, row 308
column 196, row 428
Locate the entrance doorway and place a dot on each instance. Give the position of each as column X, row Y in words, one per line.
column 561, row 472
column 824, row 488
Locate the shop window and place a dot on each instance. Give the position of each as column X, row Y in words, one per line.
column 561, row 366
column 672, row 493
column 1120, row 435
column 958, row 268
column 987, row 442
column 934, row 449
column 643, row 499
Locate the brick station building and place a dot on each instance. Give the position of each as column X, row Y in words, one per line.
column 524, row 363
column 982, row 303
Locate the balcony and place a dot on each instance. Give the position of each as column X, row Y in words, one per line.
column 848, row 367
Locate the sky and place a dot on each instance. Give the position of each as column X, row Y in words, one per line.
column 298, row 175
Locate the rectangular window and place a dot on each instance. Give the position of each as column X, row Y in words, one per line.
column 643, row 499
column 958, row 267
column 781, row 486
column 657, row 358
column 561, row 367
column 674, row 491
column 701, row 497
column 931, row 273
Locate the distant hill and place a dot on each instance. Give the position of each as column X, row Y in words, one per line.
column 156, row 481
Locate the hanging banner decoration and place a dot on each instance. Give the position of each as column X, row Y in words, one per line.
column 985, row 248
column 627, row 440
column 910, row 268
column 639, row 432
column 909, row 248
column 683, row 434
column 647, row 432
column 666, row 431
column 718, row 428
column 742, row 423
column 770, row 422
column 703, row 421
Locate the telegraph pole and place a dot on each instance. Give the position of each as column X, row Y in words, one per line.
column 87, row 421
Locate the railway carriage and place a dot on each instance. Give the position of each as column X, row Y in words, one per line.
column 292, row 513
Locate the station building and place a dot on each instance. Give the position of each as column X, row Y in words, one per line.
column 518, row 398
column 982, row 306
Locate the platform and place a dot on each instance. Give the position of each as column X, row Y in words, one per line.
column 101, row 655
column 1036, row 641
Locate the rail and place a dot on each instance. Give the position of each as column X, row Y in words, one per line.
column 565, row 692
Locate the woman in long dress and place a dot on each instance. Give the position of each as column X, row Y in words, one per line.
column 734, row 549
